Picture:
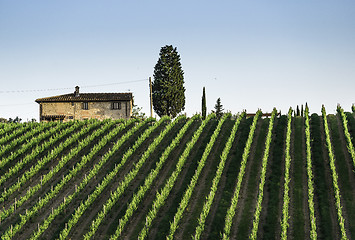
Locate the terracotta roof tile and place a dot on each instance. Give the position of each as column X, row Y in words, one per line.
column 92, row 97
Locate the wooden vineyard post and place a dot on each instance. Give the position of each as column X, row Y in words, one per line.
column 151, row 97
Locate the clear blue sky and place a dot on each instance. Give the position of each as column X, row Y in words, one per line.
column 251, row 54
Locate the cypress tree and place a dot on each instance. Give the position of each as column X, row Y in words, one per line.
column 302, row 110
column 204, row 109
column 168, row 86
column 297, row 111
column 218, row 108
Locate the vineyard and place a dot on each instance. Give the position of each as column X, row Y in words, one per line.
column 237, row 177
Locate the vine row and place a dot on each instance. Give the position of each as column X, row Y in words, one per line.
column 347, row 134
column 188, row 193
column 257, row 212
column 286, row 197
column 231, row 210
column 137, row 198
column 93, row 172
column 341, row 219
column 313, row 230
column 163, row 194
column 114, row 196
column 9, row 233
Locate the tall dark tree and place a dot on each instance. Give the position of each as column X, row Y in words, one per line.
column 204, row 109
column 218, row 108
column 302, row 110
column 168, row 85
column 297, row 111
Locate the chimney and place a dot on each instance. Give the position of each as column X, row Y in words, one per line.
column 76, row 93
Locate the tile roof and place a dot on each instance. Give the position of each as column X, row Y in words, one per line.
column 92, row 97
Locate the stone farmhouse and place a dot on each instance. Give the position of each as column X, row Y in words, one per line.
column 81, row 106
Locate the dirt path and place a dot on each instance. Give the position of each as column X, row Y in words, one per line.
column 299, row 227
column 14, row 178
column 162, row 225
column 281, row 190
column 247, row 201
column 210, row 220
column 21, row 156
column 333, row 214
column 12, row 219
column 120, row 209
column 36, row 179
column 85, row 220
column 67, row 190
column 322, row 203
column 269, row 223
column 56, row 136
column 189, row 221
column 227, row 182
column 348, row 197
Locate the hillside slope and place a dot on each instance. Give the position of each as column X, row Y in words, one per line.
column 233, row 178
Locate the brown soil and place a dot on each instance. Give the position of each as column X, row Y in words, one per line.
column 69, row 189
column 36, row 179
column 110, row 221
column 178, row 184
column 244, row 187
column 265, row 201
column 146, row 203
column 12, row 219
column 304, row 209
column 86, row 219
column 349, row 166
column 333, row 213
column 13, row 179
column 12, row 163
column 282, row 186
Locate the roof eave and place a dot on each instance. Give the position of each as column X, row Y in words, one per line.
column 70, row 98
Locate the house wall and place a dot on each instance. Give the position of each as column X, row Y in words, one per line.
column 75, row 111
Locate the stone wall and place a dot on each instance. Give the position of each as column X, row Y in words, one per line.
column 76, row 111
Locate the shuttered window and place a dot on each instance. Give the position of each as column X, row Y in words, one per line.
column 85, row 106
column 116, row 105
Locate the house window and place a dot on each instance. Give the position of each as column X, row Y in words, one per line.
column 85, row 106
column 116, row 105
